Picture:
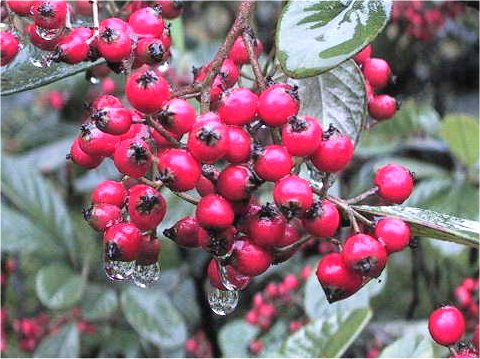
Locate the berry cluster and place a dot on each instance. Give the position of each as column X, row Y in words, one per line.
column 466, row 295
column 378, row 74
column 198, row 346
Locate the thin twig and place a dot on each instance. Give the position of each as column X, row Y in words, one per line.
column 260, row 79
column 186, row 197
column 362, row 196
column 151, row 122
column 294, row 245
column 155, row 184
column 194, row 88
column 96, row 23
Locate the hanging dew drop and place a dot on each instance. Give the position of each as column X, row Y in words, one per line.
column 146, row 275
column 222, row 302
column 117, row 270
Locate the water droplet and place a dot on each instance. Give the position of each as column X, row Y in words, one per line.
column 37, row 63
column 48, row 34
column 146, row 276
column 117, row 270
column 222, row 302
column 90, row 77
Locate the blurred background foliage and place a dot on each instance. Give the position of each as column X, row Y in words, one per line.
column 57, row 257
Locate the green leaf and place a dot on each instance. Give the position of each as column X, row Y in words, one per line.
column 235, row 337
column 151, row 313
column 461, row 132
column 64, row 344
column 22, row 75
column 185, row 300
column 58, row 287
column 409, row 346
column 273, row 339
column 178, row 35
column 326, row 338
column 431, row 224
column 315, row 36
column 336, row 97
column 99, row 303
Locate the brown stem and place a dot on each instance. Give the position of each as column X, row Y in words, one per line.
column 155, row 184
column 260, row 79
column 186, row 197
column 344, row 206
column 362, row 196
column 187, row 90
column 151, row 122
column 293, row 245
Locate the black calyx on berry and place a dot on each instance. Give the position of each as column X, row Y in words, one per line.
column 332, row 130
column 209, row 136
column 46, row 10
column 109, row 35
column 298, row 124
column 147, row 203
column 139, row 153
column 147, row 78
column 315, row 210
column 156, row 52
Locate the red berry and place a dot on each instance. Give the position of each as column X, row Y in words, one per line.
column 290, row 236
column 151, row 51
column 208, row 140
column 394, row 182
column 239, row 54
column 238, row 280
column 394, row 233
column 132, row 157
column 333, row 154
column 365, row 255
column 147, row 90
column 322, row 219
column 290, row 282
column 106, row 101
column 108, row 85
column 205, row 186
column 136, row 130
column 272, row 163
column 111, row 192
column 236, row 183
column 382, row 107
column 364, row 54
column 161, row 141
column 122, row 242
column 177, row 116
column 114, row 41
column 218, row 242
column 81, row 158
column 170, row 8
column 9, row 47
column 293, row 195
column 146, row 207
column 95, row 142
column 295, row 325
column 179, row 170
column 103, row 215
column 277, row 104
column 20, row 7
column 214, row 211
column 115, row 121
column 186, row 233
column 336, row 278
column 191, row 345
column 306, row 271
column 239, row 144
column 238, row 106
column 267, row 310
column 463, row 297
column 39, row 41
column 267, row 228
column 249, row 258
column 147, row 22
column 377, row 72
column 251, row 317
column 229, row 72
column 446, row 325
column 255, row 347
column 49, row 14
column 302, row 135
column 73, row 48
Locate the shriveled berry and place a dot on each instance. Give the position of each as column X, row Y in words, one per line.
column 394, row 182
column 187, row 233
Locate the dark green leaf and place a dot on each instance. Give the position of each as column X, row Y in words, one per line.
column 185, row 300
column 235, row 337
column 431, row 224
column 64, row 344
column 409, row 346
column 151, row 313
column 99, row 302
column 326, row 338
column 58, row 287
column 315, row 36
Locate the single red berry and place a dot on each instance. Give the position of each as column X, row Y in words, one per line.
column 106, row 101
column 290, row 282
column 294, row 325
column 146, row 207
column 277, row 104
column 238, row 106
column 251, row 317
column 147, row 22
column 364, row 54
column 186, row 233
column 365, row 254
column 177, row 116
column 290, row 236
column 102, row 215
column 267, row 228
column 394, row 233
column 293, row 195
column 306, row 271
column 249, row 258
column 108, row 85
column 272, row 163
column 170, row 8
column 191, row 345
column 20, row 7
column 336, row 278
column 236, row 183
column 239, row 54
column 122, row 242
column 377, row 72
column 333, row 154
column 9, row 47
column 95, row 142
column 179, row 170
column 147, row 90
column 111, row 192
column 463, row 297
column 271, row 290
column 267, row 310
column 114, row 41
column 132, row 157
column 322, row 219
column 151, row 51
column 382, row 107
column 235, row 278
column 229, row 72
column 302, row 135
column 470, row 284
column 239, row 145
column 73, row 48
column 49, row 14
column 394, row 182
column 113, row 120
column 208, row 140
column 214, row 211
column 446, row 325
column 46, row 44
column 81, row 158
